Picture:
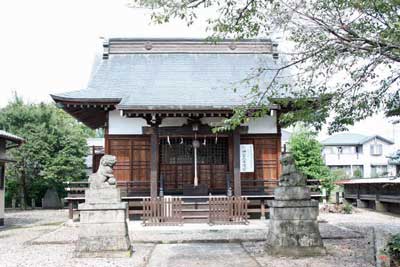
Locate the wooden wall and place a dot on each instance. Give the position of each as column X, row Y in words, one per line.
column 133, row 156
column 133, row 160
column 267, row 149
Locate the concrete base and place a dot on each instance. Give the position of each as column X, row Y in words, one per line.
column 362, row 203
column 103, row 254
column 379, row 206
column 296, row 251
column 293, row 228
column 103, row 230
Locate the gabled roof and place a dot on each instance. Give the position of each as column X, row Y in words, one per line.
column 141, row 77
column 169, row 74
column 11, row 137
column 351, row 139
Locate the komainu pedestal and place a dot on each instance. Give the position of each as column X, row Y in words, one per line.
column 103, row 230
column 293, row 228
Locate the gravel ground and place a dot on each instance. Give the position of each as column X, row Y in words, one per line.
column 18, row 218
column 40, row 238
column 362, row 216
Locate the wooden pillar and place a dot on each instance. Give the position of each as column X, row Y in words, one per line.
column 236, row 163
column 262, row 210
column 154, row 161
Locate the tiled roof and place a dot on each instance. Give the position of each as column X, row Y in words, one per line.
column 351, row 139
column 10, row 137
column 174, row 81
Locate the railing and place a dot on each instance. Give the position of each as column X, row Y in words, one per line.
column 135, row 191
column 372, row 197
column 267, row 186
column 228, row 210
column 162, row 211
column 258, row 186
column 134, row 188
column 128, row 188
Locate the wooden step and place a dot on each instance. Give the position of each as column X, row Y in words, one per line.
column 196, row 203
column 195, row 210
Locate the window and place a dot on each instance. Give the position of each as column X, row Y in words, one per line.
column 342, row 170
column 328, row 150
column 358, row 171
column 348, row 149
column 379, row 170
column 2, row 175
column 376, row 149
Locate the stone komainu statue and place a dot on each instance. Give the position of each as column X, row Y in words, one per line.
column 290, row 175
column 104, row 176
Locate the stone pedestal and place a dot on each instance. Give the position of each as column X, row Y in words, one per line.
column 293, row 228
column 103, row 230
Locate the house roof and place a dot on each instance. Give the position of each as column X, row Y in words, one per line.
column 197, row 76
column 392, row 180
column 11, row 137
column 351, row 139
column 142, row 76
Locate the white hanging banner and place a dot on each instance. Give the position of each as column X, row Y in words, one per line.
column 246, row 158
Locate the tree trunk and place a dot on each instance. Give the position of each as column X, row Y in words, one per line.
column 23, row 190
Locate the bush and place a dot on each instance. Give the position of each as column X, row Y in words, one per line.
column 347, row 208
column 357, row 173
column 394, row 249
column 306, row 152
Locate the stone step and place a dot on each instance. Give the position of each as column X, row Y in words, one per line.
column 195, row 218
column 195, row 213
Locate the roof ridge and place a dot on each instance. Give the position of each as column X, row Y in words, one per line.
column 187, row 39
column 362, row 139
column 188, row 46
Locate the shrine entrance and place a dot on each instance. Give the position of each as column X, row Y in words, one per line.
column 190, row 161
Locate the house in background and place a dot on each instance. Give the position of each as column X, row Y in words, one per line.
column 285, row 137
column 359, row 155
column 7, row 141
column 394, row 160
column 95, row 152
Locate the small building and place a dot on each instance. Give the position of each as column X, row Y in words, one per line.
column 381, row 194
column 359, row 155
column 158, row 101
column 285, row 138
column 95, row 152
column 394, row 160
column 7, row 141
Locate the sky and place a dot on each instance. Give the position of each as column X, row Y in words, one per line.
column 48, row 46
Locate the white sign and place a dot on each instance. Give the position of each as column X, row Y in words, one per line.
column 246, row 158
